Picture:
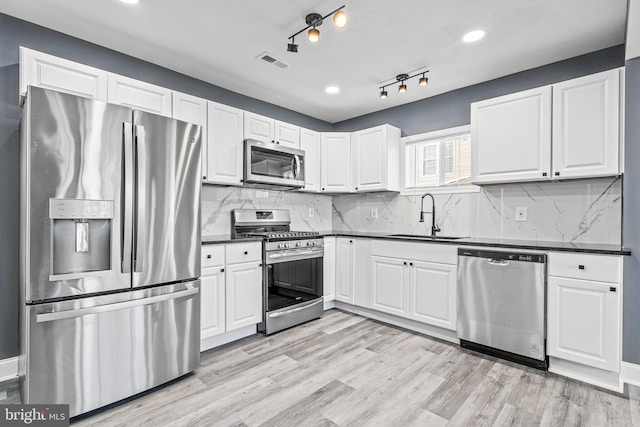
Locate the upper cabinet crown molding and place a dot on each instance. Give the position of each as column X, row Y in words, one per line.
column 567, row 130
column 51, row 72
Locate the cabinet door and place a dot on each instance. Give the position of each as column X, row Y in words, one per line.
column 345, row 274
column 244, row 295
column 287, row 134
column 212, row 302
column 432, row 292
column 586, row 123
column 389, row 285
column 369, row 148
column 310, row 144
column 512, row 137
column 335, row 161
column 139, row 95
column 50, row 72
column 258, row 127
column 329, row 269
column 224, row 154
column 584, row 322
column 192, row 109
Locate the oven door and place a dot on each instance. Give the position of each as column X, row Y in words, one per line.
column 269, row 163
column 293, row 287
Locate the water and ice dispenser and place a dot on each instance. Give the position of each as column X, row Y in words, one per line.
column 81, row 235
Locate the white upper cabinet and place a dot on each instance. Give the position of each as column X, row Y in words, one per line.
column 335, row 159
column 266, row 129
column 50, row 72
column 192, row 109
column 139, row 95
column 511, row 137
column 287, row 134
column 567, row 130
column 310, row 144
column 586, row 126
column 376, row 159
column 225, row 144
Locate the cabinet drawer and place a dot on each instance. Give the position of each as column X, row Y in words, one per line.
column 428, row 252
column 243, row 252
column 601, row 268
column 212, row 255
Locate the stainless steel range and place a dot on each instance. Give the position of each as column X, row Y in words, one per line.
column 292, row 267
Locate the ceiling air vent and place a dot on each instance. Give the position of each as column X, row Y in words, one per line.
column 269, row 59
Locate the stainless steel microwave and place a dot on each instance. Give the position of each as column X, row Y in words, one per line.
column 267, row 163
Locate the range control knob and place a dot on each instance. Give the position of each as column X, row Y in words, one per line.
column 287, row 245
column 315, row 243
column 309, row 243
column 300, row 244
column 280, row 245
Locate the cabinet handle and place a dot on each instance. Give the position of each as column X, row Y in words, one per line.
column 246, row 253
column 204, row 177
column 350, row 241
column 612, row 289
column 222, row 270
column 209, row 256
column 405, row 263
column 356, row 188
column 411, row 264
column 580, row 267
column 260, row 265
column 544, row 174
column 322, row 188
column 557, row 174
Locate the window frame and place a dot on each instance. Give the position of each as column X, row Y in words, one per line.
column 425, row 137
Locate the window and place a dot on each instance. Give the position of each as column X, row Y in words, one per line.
column 437, row 159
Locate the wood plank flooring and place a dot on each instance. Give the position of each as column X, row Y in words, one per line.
column 345, row 370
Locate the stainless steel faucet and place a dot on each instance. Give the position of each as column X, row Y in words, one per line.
column 434, row 227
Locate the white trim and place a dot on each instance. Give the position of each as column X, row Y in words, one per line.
column 435, row 134
column 412, row 325
column 226, row 338
column 443, row 189
column 598, row 377
column 8, row 369
column 630, row 373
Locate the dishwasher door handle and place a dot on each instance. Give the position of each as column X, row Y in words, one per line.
column 498, row 262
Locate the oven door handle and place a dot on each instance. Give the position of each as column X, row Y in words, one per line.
column 274, row 258
column 293, row 310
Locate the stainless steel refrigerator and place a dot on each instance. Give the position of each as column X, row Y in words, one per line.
column 110, row 250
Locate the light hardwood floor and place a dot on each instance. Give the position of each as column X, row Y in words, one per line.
column 344, row 370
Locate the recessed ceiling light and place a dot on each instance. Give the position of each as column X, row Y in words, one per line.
column 332, row 89
column 473, row 36
column 129, row 1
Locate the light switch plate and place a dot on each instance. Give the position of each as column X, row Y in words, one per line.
column 521, row 214
column 312, row 212
column 261, row 194
column 374, row 213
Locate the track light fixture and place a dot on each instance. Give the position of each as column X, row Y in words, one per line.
column 313, row 21
column 402, row 78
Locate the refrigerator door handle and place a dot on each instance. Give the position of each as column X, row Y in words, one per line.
column 79, row 312
column 127, row 197
column 140, row 200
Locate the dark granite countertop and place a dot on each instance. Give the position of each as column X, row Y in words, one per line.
column 594, row 248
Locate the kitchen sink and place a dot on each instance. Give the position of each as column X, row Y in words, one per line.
column 420, row 236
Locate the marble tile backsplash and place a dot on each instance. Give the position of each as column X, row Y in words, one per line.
column 585, row 211
column 217, row 203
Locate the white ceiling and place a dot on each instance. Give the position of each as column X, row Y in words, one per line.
column 218, row 42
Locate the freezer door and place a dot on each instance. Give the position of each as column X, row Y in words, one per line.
column 71, row 195
column 91, row 352
column 166, row 207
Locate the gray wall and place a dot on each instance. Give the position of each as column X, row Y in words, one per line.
column 452, row 108
column 631, row 215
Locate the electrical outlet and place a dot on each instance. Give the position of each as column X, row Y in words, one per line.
column 312, row 212
column 261, row 194
column 521, row 214
column 374, row 213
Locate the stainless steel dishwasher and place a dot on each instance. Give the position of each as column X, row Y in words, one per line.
column 501, row 304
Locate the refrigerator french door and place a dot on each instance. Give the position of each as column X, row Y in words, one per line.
column 110, row 241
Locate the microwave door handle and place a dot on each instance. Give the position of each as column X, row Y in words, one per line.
column 296, row 160
column 127, row 196
column 140, row 200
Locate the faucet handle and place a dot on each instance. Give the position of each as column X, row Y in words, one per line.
column 436, row 228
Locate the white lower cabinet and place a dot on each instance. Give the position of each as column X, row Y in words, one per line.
column 230, row 291
column 345, row 269
column 584, row 309
column 416, row 281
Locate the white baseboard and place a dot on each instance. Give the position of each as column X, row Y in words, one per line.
column 598, row 377
column 328, row 305
column 226, row 338
column 630, row 373
column 8, row 369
